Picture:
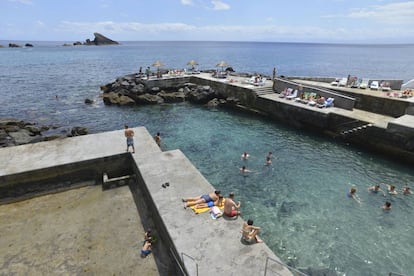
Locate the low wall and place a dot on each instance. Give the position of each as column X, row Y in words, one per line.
column 388, row 106
column 28, row 184
column 246, row 96
column 341, row 101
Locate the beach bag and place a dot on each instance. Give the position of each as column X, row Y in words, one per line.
column 215, row 212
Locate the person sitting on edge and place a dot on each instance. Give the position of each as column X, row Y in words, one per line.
column 375, row 189
column 391, row 190
column 320, row 100
column 230, row 207
column 352, row 194
column 386, row 206
column 157, row 139
column 191, row 201
column 218, row 202
column 406, row 190
column 249, row 232
column 146, row 248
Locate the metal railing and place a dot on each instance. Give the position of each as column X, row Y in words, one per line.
column 294, row 271
column 191, row 258
column 395, row 273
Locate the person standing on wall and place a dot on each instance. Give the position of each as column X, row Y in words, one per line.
column 129, row 134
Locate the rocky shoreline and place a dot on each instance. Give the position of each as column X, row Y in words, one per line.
column 14, row 132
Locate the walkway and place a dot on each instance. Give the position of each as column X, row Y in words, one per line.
column 214, row 245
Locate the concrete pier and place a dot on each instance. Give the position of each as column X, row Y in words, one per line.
column 187, row 243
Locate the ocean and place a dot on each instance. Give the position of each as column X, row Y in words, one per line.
column 300, row 200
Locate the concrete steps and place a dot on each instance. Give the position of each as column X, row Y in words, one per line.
column 264, row 90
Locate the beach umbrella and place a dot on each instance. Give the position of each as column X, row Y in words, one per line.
column 222, row 64
column 158, row 64
column 192, row 62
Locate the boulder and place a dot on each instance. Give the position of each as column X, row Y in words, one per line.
column 21, row 137
column 28, row 45
column 149, row 99
column 110, row 98
column 34, row 130
column 77, row 131
column 125, row 100
column 174, row 97
column 200, row 97
column 88, row 101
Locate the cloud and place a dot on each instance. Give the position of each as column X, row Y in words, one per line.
column 187, row 2
column 270, row 32
column 219, row 5
column 26, row 2
column 391, row 14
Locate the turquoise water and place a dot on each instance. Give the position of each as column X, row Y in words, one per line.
column 300, row 200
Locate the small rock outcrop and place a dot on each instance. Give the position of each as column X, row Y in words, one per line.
column 100, row 40
column 132, row 90
column 14, row 45
column 14, row 132
column 28, row 45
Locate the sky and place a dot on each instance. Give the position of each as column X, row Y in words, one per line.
column 314, row 21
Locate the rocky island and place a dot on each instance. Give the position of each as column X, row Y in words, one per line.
column 98, row 40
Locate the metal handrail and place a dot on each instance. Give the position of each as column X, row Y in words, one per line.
column 196, row 264
column 395, row 273
column 291, row 269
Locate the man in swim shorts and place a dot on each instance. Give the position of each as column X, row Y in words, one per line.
column 230, row 207
column 146, row 248
column 191, row 201
column 129, row 134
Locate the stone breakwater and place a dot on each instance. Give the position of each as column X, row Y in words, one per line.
column 134, row 90
column 14, row 132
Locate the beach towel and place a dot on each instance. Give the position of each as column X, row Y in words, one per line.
column 205, row 209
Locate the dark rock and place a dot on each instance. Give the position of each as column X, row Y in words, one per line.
column 200, row 97
column 110, row 98
column 213, row 103
column 13, row 45
column 88, row 101
column 149, row 99
column 174, row 97
column 77, row 43
column 28, row 45
column 155, row 90
column 21, row 137
column 34, row 130
column 125, row 100
column 77, row 131
column 100, row 40
column 53, row 137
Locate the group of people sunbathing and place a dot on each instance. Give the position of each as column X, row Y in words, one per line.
column 391, row 189
column 230, row 209
column 310, row 98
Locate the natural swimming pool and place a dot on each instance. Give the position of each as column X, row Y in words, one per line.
column 300, row 201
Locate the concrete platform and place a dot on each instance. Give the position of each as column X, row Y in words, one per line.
column 79, row 232
column 357, row 114
column 404, row 124
column 203, row 244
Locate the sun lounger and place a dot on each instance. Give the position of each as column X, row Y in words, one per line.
column 374, row 85
column 364, row 84
column 286, row 92
column 343, row 82
column 293, row 95
column 385, row 86
column 328, row 102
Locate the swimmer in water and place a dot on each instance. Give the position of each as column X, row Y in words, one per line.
column 245, row 171
column 352, row 194
column 245, row 156
column 386, row 206
column 406, row 190
column 375, row 189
